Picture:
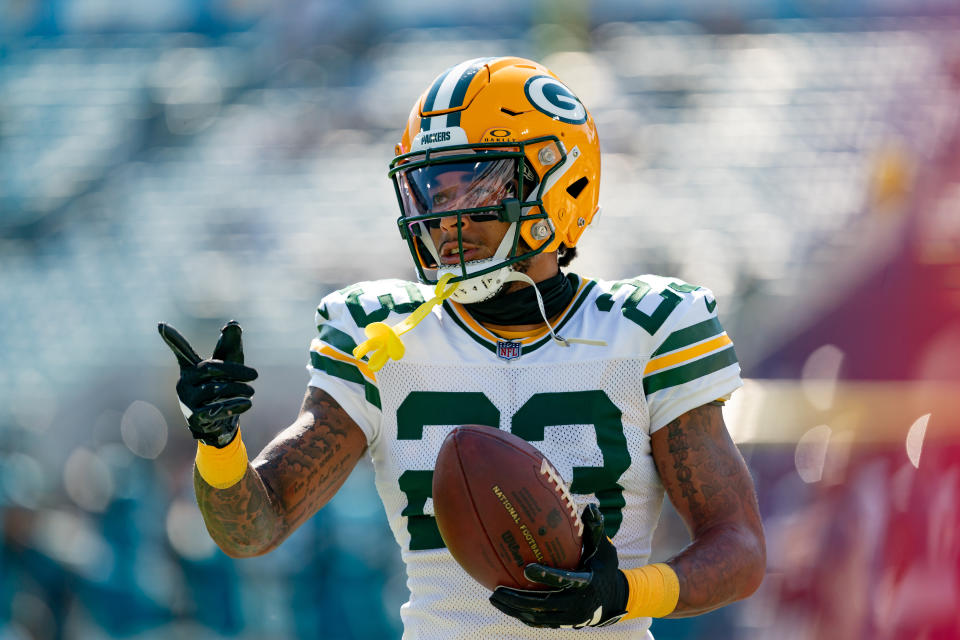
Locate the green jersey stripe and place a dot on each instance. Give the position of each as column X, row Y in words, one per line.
column 687, row 336
column 347, row 372
column 336, row 338
column 688, row 372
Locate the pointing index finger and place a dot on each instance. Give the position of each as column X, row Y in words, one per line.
column 186, row 356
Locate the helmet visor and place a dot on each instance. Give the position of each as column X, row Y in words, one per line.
column 439, row 189
column 474, row 187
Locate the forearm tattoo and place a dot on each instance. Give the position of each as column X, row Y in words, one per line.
column 295, row 475
column 243, row 520
column 310, row 461
column 711, row 487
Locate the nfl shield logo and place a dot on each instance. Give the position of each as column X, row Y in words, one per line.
column 508, row 350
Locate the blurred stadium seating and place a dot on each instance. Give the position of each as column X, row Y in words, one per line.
column 239, row 171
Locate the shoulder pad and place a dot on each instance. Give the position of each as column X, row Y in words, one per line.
column 368, row 302
column 652, row 302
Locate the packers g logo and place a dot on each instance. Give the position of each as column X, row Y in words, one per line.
column 549, row 96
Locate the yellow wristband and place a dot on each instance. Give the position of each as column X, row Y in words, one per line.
column 222, row 468
column 654, row 591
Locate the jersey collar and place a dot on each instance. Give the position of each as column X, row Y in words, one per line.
column 532, row 340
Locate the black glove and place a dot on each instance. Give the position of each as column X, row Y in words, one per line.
column 593, row 596
column 212, row 392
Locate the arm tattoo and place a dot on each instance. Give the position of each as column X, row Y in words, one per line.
column 709, row 484
column 294, row 476
column 243, row 520
column 310, row 461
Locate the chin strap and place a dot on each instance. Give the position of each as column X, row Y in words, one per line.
column 560, row 340
column 384, row 340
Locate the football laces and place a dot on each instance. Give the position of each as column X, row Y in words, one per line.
column 554, row 478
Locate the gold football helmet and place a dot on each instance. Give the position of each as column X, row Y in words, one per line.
column 495, row 139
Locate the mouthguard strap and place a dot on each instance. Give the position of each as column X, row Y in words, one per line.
column 383, row 341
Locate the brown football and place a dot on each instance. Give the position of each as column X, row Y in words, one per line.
column 501, row 505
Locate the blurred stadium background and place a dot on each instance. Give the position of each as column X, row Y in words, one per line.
column 199, row 160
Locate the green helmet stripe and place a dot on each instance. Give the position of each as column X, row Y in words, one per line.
column 448, row 92
column 460, row 91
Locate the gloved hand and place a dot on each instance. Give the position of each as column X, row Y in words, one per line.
column 212, row 392
column 593, row 596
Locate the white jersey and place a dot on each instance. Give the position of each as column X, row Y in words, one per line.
column 589, row 409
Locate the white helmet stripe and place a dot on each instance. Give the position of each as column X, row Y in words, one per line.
column 443, row 89
column 444, row 93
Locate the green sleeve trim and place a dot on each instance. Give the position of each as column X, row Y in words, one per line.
column 689, row 335
column 348, row 372
column 688, row 372
column 337, row 339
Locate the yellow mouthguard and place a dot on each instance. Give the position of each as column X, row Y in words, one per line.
column 384, row 340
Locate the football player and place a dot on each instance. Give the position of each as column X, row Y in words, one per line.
column 620, row 383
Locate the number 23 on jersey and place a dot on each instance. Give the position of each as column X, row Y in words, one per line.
column 531, row 422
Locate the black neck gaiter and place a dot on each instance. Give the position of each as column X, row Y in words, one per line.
column 520, row 306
